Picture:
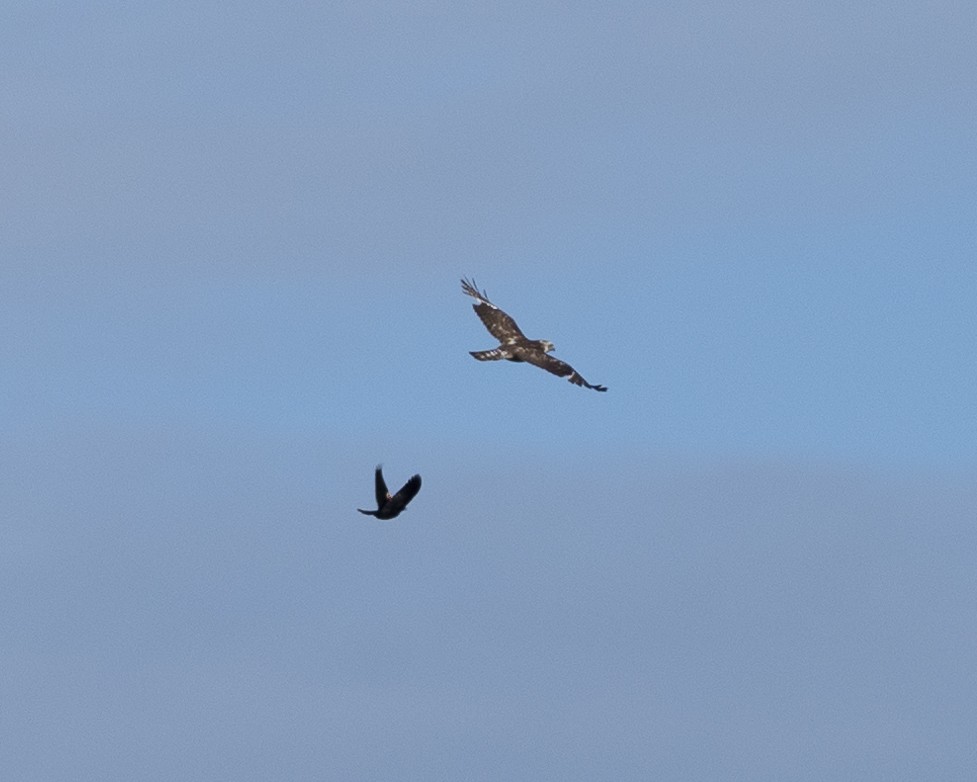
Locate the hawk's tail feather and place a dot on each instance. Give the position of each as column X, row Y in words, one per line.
column 488, row 355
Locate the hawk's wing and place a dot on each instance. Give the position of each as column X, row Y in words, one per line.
column 560, row 368
column 381, row 487
column 499, row 324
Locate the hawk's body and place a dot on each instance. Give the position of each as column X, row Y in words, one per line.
column 389, row 506
column 514, row 344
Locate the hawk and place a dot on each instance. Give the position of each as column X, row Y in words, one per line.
column 514, row 345
column 389, row 506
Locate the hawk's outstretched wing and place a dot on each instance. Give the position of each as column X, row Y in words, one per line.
column 499, row 324
column 560, row 368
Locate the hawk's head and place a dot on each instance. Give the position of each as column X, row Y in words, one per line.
column 546, row 345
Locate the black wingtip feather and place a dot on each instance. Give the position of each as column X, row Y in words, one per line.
column 471, row 289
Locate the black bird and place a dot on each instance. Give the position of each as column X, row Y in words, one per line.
column 389, row 507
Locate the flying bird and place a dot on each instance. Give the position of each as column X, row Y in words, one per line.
column 514, row 345
column 389, row 506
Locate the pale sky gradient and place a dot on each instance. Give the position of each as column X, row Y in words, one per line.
column 230, row 245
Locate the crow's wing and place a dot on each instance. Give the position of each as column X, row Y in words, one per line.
column 500, row 325
column 381, row 487
column 407, row 492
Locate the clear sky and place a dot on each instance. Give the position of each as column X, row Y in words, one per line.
column 231, row 237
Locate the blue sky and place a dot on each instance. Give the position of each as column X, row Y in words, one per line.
column 232, row 240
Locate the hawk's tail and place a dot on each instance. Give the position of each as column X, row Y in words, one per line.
column 488, row 355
